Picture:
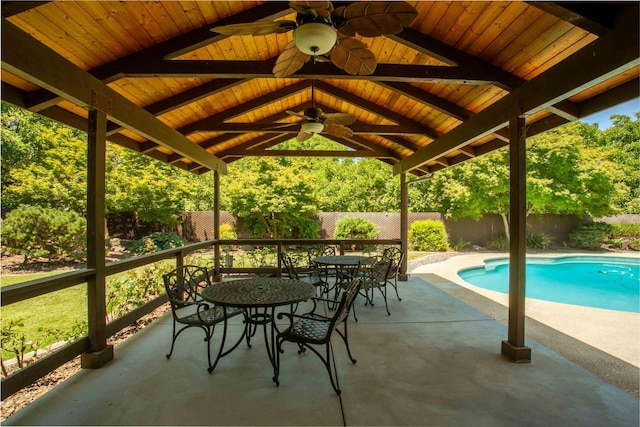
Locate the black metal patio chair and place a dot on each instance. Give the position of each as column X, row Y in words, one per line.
column 315, row 329
column 312, row 277
column 395, row 255
column 183, row 286
column 375, row 277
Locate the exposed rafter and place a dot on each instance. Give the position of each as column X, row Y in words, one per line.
column 64, row 78
column 606, row 57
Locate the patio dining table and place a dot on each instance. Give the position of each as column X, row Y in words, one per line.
column 259, row 296
column 344, row 265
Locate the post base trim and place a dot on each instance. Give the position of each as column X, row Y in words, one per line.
column 98, row 359
column 516, row 354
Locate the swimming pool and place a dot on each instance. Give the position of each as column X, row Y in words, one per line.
column 603, row 282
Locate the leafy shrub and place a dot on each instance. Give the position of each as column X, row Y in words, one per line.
column 135, row 288
column 428, row 235
column 591, row 235
column 355, row 228
column 629, row 231
column 228, row 232
column 498, row 243
column 157, row 242
column 539, row 240
column 458, row 244
column 34, row 231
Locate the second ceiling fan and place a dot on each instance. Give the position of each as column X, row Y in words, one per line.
column 315, row 121
column 316, row 28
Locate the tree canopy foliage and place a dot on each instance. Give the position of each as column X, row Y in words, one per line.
column 576, row 169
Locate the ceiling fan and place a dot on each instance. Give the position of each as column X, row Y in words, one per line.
column 316, row 28
column 315, row 121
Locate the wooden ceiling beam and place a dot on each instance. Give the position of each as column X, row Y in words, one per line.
column 12, row 95
column 76, row 85
column 184, row 98
column 617, row 95
column 11, row 8
column 375, row 108
column 305, row 153
column 358, row 141
column 404, row 143
column 168, row 49
column 268, row 127
column 317, row 71
column 436, row 49
column 595, row 18
column 416, row 94
column 257, row 141
column 608, row 56
column 211, row 121
column 448, row 54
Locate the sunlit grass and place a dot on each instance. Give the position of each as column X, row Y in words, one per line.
column 46, row 318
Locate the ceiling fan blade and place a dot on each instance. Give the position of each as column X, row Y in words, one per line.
column 293, row 113
column 303, row 136
column 321, row 8
column 353, row 56
column 337, row 130
column 282, row 126
column 259, row 28
column 289, row 61
column 372, row 19
column 339, row 119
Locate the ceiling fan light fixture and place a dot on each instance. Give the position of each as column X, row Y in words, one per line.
column 315, row 38
column 312, row 127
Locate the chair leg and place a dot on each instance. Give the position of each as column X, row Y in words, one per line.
column 345, row 338
column 173, row 340
column 383, row 291
column 395, row 286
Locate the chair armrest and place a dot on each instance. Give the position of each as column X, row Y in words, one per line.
column 324, row 299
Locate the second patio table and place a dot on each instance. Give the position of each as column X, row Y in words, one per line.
column 259, row 296
column 344, row 265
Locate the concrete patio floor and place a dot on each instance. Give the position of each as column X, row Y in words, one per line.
column 434, row 361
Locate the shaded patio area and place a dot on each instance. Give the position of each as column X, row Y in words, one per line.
column 434, row 361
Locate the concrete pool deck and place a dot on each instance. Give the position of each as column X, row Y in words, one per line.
column 615, row 333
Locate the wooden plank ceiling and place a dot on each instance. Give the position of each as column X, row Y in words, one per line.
column 443, row 91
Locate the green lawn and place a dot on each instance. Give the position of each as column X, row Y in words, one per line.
column 44, row 315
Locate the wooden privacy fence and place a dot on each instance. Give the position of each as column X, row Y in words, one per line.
column 198, row 226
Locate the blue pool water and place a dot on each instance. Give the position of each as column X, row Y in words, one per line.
column 601, row 282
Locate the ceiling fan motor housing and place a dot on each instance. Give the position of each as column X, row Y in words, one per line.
column 315, row 38
column 312, row 114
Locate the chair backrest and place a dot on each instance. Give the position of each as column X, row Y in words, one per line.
column 395, row 255
column 288, row 265
column 346, row 301
column 378, row 272
column 183, row 285
column 319, row 250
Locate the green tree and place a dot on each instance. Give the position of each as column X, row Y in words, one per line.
column 273, row 199
column 622, row 142
column 563, row 177
column 55, row 176
column 154, row 190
